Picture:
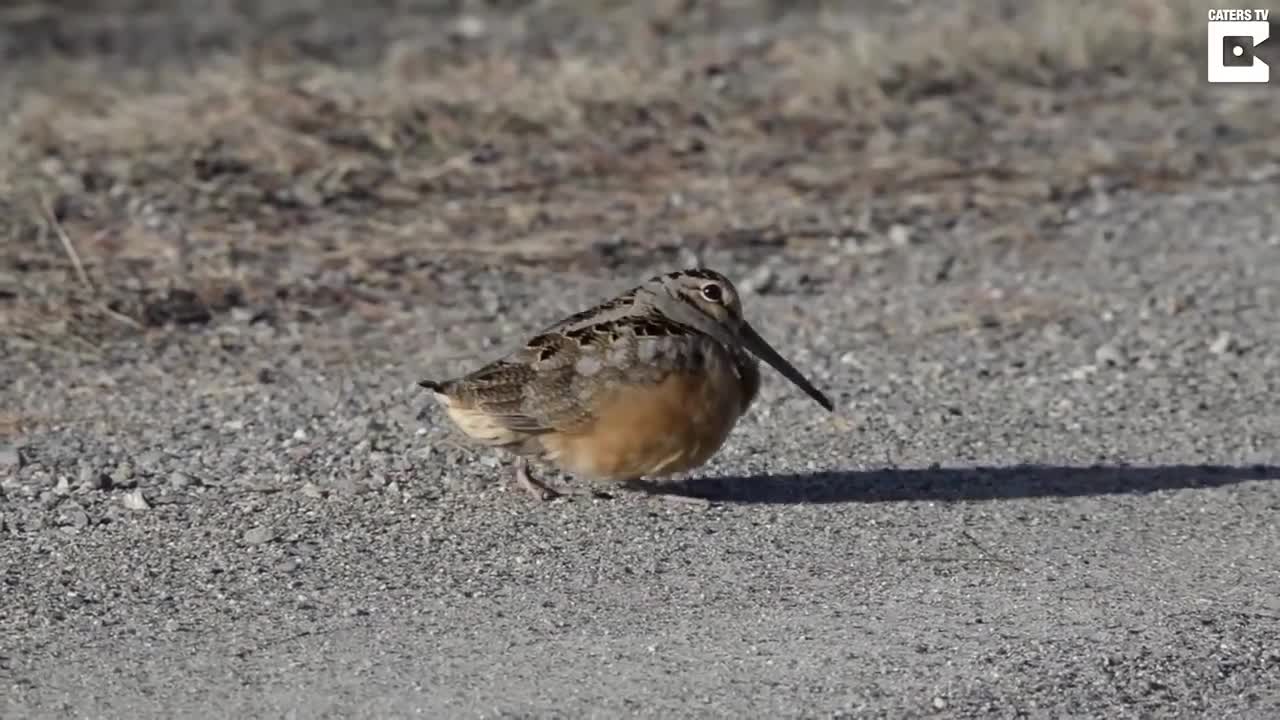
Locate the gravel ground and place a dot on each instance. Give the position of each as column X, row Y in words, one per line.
column 1030, row 253
column 1051, row 489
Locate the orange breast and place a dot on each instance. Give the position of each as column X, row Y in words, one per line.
column 652, row 430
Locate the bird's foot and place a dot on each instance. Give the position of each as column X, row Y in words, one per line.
column 536, row 488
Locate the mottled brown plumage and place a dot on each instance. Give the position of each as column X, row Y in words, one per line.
column 644, row 385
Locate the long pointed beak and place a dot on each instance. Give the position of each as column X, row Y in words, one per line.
column 765, row 352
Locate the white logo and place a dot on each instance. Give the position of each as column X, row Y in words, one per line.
column 1234, row 36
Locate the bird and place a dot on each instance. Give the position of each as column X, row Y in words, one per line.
column 639, row 387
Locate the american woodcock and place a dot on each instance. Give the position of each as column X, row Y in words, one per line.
column 642, row 386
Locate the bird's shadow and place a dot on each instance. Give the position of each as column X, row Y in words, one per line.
column 963, row 484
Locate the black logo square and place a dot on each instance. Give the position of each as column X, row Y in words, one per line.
column 1237, row 51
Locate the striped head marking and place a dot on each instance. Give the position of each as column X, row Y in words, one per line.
column 708, row 292
column 706, row 301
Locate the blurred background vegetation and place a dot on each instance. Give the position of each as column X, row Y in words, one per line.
column 165, row 161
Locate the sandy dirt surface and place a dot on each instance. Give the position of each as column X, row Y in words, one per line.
column 1031, row 254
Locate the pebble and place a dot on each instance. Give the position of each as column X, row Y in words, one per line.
column 469, row 27
column 690, row 257
column 134, row 500
column 899, row 235
column 1223, row 344
column 312, row 491
column 259, row 535
column 122, row 476
column 1108, row 355
column 257, row 483
column 77, row 518
column 90, row 479
column 149, row 460
column 347, row 486
column 10, row 458
column 36, row 475
column 179, row 480
column 1083, row 372
column 759, row 281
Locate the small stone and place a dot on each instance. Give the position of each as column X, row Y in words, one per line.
column 149, row 460
column 759, row 281
column 122, row 476
column 1083, row 372
column 257, row 483
column 179, row 480
column 899, row 235
column 689, row 257
column 1108, row 355
column 77, row 518
column 134, row 500
column 63, row 488
column 90, row 479
column 259, row 535
column 312, row 491
column 345, row 485
column 10, row 458
column 469, row 27
column 36, row 475
column 939, row 703
column 1223, row 344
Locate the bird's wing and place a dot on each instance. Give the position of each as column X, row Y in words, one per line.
column 551, row 384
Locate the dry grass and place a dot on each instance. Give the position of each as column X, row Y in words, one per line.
column 266, row 174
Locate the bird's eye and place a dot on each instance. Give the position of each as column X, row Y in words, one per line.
column 712, row 293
